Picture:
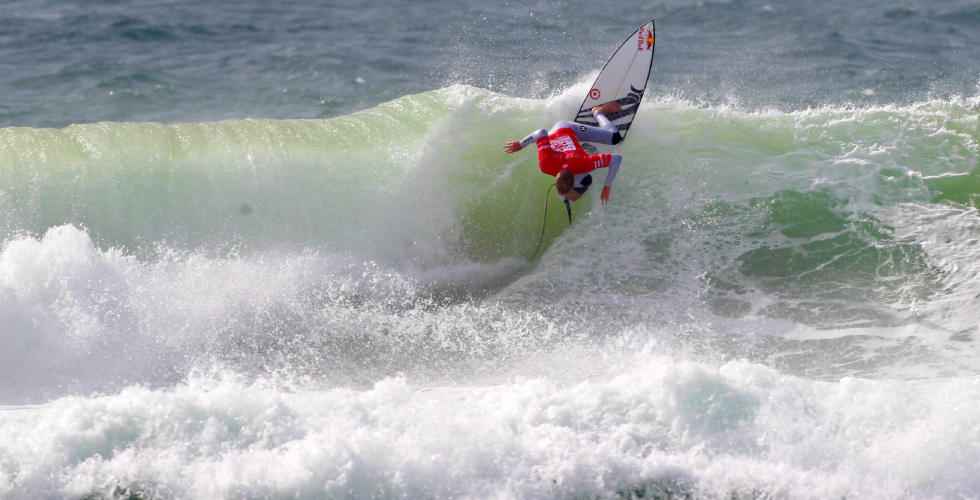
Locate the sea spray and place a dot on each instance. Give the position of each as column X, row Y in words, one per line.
column 309, row 308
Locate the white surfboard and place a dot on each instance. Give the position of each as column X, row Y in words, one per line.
column 623, row 79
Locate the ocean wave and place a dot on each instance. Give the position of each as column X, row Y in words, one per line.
column 794, row 223
column 427, row 170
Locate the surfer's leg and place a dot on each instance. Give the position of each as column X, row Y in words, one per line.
column 604, row 122
column 607, row 125
column 564, row 124
column 606, row 133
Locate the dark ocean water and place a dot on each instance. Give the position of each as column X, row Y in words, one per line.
column 257, row 250
column 81, row 62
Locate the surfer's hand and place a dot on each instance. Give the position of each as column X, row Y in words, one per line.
column 605, row 194
column 512, row 146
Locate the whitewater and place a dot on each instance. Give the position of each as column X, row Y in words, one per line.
column 775, row 304
column 261, row 250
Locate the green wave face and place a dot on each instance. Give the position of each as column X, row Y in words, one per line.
column 423, row 176
column 253, row 182
column 421, row 171
column 816, row 216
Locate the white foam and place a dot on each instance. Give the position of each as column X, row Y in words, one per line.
column 79, row 319
column 648, row 421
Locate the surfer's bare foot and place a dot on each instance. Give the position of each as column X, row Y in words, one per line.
column 608, row 108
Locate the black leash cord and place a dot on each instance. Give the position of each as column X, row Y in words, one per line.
column 543, row 222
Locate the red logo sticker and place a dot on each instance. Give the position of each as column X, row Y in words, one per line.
column 648, row 38
column 595, row 94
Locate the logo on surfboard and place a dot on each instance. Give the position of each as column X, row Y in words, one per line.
column 644, row 40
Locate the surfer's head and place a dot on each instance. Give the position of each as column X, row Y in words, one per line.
column 565, row 186
column 564, row 182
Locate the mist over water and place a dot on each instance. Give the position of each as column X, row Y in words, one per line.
column 296, row 264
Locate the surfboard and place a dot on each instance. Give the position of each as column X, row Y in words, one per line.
column 623, row 79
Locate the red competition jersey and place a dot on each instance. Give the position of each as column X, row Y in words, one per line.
column 561, row 150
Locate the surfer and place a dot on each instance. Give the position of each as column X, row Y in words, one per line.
column 561, row 155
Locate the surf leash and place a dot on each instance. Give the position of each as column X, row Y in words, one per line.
column 543, row 222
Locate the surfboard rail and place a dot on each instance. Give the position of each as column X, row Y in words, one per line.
column 622, row 79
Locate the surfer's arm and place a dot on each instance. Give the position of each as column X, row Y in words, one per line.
column 515, row 146
column 614, row 163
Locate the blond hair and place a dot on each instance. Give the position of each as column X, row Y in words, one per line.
column 564, row 181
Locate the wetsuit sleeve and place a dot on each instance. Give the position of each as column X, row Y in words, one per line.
column 537, row 134
column 614, row 163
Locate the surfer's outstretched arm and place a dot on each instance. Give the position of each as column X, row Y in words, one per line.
column 515, row 146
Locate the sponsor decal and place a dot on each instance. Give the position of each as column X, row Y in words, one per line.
column 563, row 144
column 595, row 94
column 644, row 40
